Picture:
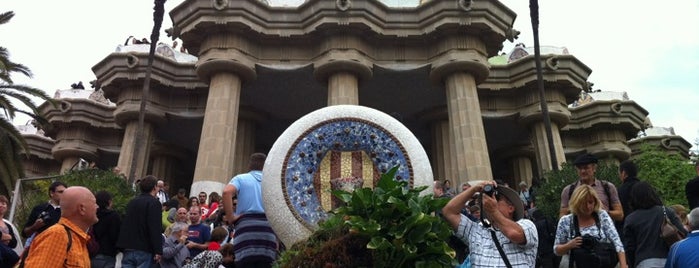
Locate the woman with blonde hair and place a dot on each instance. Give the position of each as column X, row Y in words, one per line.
column 587, row 225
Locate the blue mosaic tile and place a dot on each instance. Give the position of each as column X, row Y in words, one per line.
column 344, row 134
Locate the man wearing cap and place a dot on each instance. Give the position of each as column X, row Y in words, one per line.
column 586, row 166
column 515, row 236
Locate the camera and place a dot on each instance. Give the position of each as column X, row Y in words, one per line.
column 44, row 216
column 588, row 241
column 489, row 189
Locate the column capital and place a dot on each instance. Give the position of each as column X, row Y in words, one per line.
column 469, row 61
column 225, row 60
column 336, row 60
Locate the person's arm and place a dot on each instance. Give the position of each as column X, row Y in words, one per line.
column 452, row 210
column 170, row 251
column 622, row 260
column 561, row 244
column 228, row 192
column 155, row 229
column 617, row 212
column 33, row 222
column 507, row 226
column 564, row 210
column 12, row 242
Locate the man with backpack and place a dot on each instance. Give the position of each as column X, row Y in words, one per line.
column 65, row 244
column 586, row 166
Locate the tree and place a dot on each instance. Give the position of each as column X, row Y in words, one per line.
column 11, row 141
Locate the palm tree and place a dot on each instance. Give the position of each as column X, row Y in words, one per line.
column 11, row 141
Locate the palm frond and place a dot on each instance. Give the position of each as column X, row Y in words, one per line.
column 6, row 16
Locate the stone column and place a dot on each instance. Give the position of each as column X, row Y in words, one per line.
column 522, row 170
column 343, row 88
column 442, row 158
column 226, row 68
column 541, row 149
column 460, row 71
column 126, row 154
column 342, row 70
column 244, row 145
column 68, row 163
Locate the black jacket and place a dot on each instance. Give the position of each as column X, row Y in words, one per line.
column 141, row 226
column 624, row 191
column 692, row 191
column 642, row 234
column 106, row 231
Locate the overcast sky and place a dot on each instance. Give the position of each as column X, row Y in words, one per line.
column 648, row 49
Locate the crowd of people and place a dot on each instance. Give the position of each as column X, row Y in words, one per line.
column 79, row 228
column 495, row 225
column 598, row 226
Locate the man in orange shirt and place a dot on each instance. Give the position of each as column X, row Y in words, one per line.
column 65, row 244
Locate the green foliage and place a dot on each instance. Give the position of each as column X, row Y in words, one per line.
column 97, row 180
column 548, row 194
column 36, row 191
column 395, row 223
column 667, row 173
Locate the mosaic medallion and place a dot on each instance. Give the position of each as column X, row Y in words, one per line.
column 337, row 147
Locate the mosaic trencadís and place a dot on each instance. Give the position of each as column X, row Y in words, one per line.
column 336, row 149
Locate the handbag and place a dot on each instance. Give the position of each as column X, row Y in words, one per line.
column 593, row 252
column 668, row 231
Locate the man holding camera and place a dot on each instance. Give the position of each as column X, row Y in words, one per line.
column 503, row 238
column 47, row 214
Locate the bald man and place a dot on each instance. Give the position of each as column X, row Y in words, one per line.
column 65, row 244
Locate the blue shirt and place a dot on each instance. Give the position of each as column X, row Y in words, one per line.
column 684, row 253
column 249, row 193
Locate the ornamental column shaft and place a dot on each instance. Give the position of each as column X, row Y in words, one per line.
column 541, row 149
column 466, row 123
column 343, row 88
column 522, row 169
column 127, row 146
column 217, row 143
column 443, row 160
column 68, row 163
column 244, row 145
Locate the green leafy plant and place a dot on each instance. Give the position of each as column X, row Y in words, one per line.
column 392, row 224
column 668, row 174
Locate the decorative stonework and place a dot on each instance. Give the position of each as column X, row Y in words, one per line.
column 336, row 142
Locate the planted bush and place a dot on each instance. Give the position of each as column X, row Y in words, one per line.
column 388, row 226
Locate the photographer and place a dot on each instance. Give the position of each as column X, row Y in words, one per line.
column 587, row 235
column 47, row 214
column 505, row 238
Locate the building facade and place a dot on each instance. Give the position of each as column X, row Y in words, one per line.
column 250, row 70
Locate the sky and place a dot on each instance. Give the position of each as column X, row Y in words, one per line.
column 648, row 49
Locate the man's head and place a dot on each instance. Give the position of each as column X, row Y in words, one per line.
column 257, row 161
column 161, row 185
column 509, row 203
column 178, row 229
column 586, row 165
column 694, row 219
column 202, row 198
column 181, row 192
column 181, row 215
column 79, row 206
column 522, row 186
column 148, row 184
column 465, row 186
column 56, row 191
column 438, row 189
column 627, row 169
column 104, row 199
column 195, row 214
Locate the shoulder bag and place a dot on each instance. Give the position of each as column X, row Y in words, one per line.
column 668, row 231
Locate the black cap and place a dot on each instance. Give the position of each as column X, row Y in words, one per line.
column 585, row 159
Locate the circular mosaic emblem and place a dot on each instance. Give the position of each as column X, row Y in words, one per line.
column 339, row 147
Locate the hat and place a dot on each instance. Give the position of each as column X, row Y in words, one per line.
column 585, row 159
column 513, row 197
